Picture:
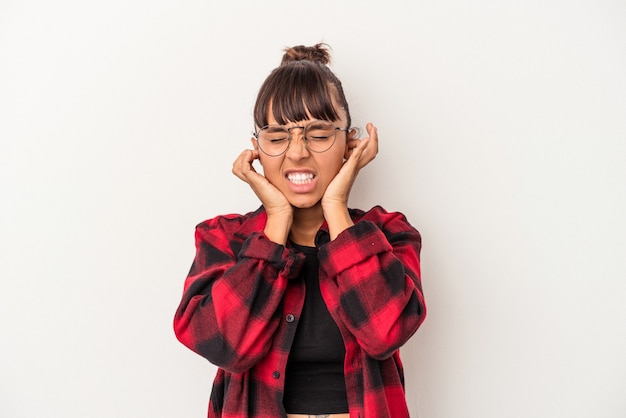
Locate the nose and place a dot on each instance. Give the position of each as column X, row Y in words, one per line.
column 297, row 145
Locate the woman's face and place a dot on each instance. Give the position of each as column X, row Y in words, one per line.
column 301, row 175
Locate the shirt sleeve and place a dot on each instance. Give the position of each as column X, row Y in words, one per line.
column 228, row 312
column 373, row 279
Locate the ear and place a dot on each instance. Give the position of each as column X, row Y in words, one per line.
column 352, row 133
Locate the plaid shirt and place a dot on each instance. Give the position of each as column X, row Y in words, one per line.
column 240, row 309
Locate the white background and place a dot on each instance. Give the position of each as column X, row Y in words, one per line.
column 503, row 135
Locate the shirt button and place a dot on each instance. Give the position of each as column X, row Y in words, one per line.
column 276, row 375
column 290, row 318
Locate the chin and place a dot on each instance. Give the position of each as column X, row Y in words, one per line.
column 305, row 204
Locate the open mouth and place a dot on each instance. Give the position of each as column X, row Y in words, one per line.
column 300, row 178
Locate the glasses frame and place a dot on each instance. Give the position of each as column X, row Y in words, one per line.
column 306, row 143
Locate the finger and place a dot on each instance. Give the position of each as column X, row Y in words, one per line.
column 361, row 147
column 237, row 164
column 371, row 129
column 373, row 142
column 372, row 132
column 365, row 149
column 365, row 152
column 243, row 164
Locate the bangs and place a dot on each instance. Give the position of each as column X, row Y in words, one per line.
column 296, row 92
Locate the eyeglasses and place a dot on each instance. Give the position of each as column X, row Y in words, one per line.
column 318, row 136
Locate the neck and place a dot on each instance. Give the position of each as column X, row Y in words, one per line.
column 306, row 223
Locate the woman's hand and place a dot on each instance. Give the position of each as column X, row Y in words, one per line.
column 359, row 153
column 279, row 210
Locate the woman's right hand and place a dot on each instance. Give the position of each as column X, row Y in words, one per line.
column 279, row 210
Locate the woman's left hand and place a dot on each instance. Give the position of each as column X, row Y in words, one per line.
column 359, row 153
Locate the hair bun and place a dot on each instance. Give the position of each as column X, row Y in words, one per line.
column 317, row 53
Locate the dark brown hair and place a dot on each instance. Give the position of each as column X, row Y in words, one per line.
column 302, row 85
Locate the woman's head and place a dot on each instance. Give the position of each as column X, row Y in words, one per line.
column 302, row 93
column 302, row 87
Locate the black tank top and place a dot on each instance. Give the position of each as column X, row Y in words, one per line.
column 314, row 380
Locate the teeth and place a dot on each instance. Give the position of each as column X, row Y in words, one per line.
column 300, row 178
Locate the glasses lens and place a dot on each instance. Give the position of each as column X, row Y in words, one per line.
column 320, row 135
column 273, row 140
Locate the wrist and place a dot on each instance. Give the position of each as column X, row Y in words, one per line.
column 338, row 219
column 277, row 227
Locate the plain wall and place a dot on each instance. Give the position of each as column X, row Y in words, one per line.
column 502, row 139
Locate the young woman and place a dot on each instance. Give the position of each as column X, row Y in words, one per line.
column 304, row 303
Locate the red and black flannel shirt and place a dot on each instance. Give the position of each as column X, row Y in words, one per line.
column 240, row 309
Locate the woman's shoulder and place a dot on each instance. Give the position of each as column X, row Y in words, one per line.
column 234, row 222
column 376, row 214
column 390, row 222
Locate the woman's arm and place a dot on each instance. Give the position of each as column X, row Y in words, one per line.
column 228, row 312
column 372, row 281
